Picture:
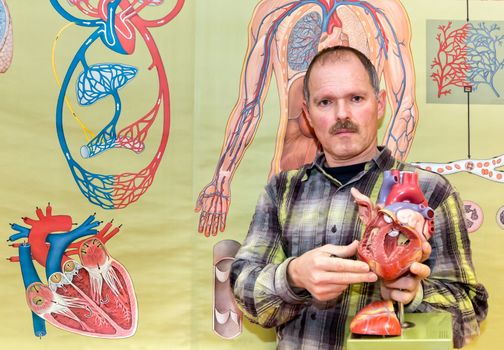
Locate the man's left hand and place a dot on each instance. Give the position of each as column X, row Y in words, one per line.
column 404, row 288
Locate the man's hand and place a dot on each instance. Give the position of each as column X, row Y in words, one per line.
column 404, row 288
column 325, row 272
column 213, row 203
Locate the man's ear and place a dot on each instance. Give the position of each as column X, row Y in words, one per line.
column 382, row 103
column 366, row 208
column 306, row 113
column 305, row 125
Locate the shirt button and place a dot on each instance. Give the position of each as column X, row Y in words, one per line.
column 334, row 229
column 313, row 316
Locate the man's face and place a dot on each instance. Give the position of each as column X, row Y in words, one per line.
column 344, row 110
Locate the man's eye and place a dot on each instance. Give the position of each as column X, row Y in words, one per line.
column 357, row 98
column 324, row 102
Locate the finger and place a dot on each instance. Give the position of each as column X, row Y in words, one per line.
column 345, row 265
column 420, row 270
column 385, row 292
column 328, row 292
column 199, row 203
column 221, row 211
column 323, row 297
column 402, row 296
column 347, row 278
column 202, row 222
column 215, row 224
column 342, row 251
column 407, row 283
column 223, row 222
column 209, row 224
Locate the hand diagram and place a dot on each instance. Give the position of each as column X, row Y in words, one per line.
column 213, row 203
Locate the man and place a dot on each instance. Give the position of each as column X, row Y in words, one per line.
column 296, row 269
column 284, row 36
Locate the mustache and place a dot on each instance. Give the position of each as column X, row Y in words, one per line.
column 346, row 125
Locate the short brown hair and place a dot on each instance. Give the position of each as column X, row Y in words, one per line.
column 341, row 51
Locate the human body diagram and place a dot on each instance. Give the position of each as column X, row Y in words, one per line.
column 284, row 35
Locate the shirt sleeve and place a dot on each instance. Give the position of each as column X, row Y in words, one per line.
column 259, row 272
column 452, row 285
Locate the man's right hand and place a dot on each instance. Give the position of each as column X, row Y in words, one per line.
column 326, row 271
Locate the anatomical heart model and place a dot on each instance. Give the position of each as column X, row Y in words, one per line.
column 397, row 231
column 91, row 295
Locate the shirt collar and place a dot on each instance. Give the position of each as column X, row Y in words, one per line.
column 383, row 160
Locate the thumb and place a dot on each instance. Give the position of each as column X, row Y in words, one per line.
column 199, row 203
column 426, row 250
column 349, row 250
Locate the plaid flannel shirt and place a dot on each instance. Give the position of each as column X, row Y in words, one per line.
column 307, row 208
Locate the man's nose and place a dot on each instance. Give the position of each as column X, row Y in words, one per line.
column 341, row 111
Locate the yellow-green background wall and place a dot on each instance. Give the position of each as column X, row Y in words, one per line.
column 169, row 261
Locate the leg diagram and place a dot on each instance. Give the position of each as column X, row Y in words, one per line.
column 116, row 23
column 283, row 38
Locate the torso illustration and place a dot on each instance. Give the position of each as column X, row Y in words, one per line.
column 283, row 38
column 5, row 37
column 313, row 26
column 117, row 23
